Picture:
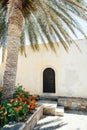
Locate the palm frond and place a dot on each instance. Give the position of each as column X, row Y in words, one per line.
column 46, row 18
column 22, row 43
column 57, row 13
column 3, row 22
column 27, row 7
column 3, row 3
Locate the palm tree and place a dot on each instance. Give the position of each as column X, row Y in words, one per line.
column 44, row 19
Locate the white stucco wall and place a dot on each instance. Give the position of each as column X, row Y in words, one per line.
column 70, row 70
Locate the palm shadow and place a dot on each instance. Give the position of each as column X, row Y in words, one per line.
column 57, row 123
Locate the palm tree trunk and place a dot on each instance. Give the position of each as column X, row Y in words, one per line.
column 15, row 21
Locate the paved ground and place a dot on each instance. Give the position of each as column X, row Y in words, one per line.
column 12, row 126
column 70, row 121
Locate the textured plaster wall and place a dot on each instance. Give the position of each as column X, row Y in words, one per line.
column 70, row 70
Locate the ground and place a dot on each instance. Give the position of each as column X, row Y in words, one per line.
column 70, row 121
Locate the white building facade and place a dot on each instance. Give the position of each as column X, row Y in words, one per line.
column 45, row 72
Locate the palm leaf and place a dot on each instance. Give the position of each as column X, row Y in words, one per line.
column 41, row 18
column 22, row 41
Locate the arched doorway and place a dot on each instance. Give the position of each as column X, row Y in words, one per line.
column 48, row 80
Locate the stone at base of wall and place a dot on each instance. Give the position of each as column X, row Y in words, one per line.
column 73, row 103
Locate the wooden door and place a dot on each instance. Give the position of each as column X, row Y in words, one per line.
column 49, row 81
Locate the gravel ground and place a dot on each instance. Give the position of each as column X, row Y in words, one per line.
column 72, row 120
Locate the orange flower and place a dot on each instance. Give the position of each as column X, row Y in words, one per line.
column 20, row 108
column 34, row 100
column 32, row 106
column 16, row 109
column 30, row 97
column 28, row 106
column 24, row 102
column 20, row 99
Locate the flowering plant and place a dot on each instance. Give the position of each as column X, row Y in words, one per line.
column 18, row 108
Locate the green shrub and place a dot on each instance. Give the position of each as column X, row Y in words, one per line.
column 18, row 108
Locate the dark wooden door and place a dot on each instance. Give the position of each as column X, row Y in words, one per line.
column 49, row 81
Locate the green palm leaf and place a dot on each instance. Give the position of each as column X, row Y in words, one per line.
column 44, row 19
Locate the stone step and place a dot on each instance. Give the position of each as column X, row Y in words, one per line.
column 59, row 111
column 48, row 106
column 51, row 108
column 50, row 98
column 46, row 103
